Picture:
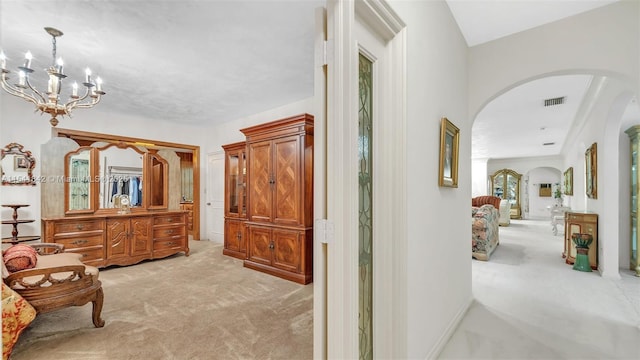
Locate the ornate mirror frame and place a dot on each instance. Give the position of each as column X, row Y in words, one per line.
column 20, row 170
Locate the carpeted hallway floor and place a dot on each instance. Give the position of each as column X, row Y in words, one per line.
column 529, row 304
column 204, row 306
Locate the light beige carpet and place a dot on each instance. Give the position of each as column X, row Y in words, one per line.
column 204, row 306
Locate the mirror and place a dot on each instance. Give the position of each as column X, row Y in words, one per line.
column 157, row 181
column 80, row 180
column 103, row 178
column 505, row 184
column 121, row 174
column 17, row 165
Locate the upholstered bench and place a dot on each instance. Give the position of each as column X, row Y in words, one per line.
column 57, row 280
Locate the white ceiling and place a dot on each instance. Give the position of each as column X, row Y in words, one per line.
column 485, row 20
column 516, row 124
column 197, row 62
column 210, row 61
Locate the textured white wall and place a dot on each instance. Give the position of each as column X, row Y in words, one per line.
column 439, row 266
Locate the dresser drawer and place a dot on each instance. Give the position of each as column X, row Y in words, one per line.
column 77, row 226
column 79, row 242
column 168, row 243
column 168, row 231
column 90, row 254
column 168, row 219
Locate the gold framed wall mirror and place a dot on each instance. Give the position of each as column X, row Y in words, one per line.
column 188, row 155
column 17, row 165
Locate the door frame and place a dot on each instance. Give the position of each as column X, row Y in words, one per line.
column 390, row 273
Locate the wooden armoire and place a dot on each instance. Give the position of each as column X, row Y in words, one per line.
column 235, row 200
column 279, row 195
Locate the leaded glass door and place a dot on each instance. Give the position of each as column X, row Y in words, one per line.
column 365, row 202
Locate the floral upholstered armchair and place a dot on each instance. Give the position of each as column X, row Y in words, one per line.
column 484, row 231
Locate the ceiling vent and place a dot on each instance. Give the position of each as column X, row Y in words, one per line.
column 554, row 101
column 548, row 144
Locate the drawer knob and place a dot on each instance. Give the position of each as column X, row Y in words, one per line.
column 170, row 220
column 169, row 232
column 80, row 242
column 79, row 226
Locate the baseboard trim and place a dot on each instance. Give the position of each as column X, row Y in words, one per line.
column 453, row 325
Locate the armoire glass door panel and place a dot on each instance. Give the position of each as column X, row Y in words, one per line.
column 242, row 169
column 233, row 182
column 505, row 184
column 498, row 186
column 512, row 186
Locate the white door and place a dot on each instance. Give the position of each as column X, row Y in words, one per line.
column 214, row 194
column 365, row 181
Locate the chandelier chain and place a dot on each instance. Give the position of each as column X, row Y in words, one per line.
column 53, row 51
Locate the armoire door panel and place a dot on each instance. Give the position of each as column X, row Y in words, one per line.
column 286, row 253
column 287, row 180
column 260, row 249
column 233, row 235
column 261, row 182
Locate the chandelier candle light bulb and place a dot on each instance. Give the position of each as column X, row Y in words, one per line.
column 49, row 102
column 27, row 60
column 60, row 65
column 21, row 78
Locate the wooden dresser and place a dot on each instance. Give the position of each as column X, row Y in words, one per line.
column 584, row 223
column 120, row 239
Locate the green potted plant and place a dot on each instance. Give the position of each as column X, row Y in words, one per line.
column 557, row 194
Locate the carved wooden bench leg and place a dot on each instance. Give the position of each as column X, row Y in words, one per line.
column 97, row 308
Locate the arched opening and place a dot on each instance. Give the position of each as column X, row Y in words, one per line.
column 514, row 129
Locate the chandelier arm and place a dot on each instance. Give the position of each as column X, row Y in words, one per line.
column 10, row 89
column 35, row 92
column 75, row 102
column 16, row 92
column 90, row 104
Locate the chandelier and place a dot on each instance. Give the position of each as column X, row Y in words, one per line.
column 49, row 101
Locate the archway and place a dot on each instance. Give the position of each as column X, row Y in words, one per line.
column 598, row 119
